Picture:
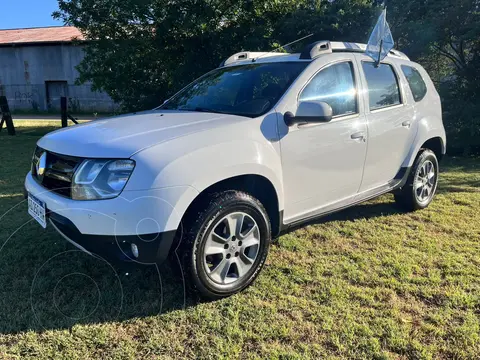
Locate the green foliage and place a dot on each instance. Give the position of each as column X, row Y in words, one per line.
column 444, row 36
column 143, row 51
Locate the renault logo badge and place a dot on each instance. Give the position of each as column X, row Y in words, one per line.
column 42, row 165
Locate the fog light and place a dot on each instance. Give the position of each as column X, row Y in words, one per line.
column 134, row 250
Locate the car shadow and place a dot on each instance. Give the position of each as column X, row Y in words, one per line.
column 366, row 211
column 58, row 286
column 48, row 284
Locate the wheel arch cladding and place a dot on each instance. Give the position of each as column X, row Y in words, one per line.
column 256, row 185
column 436, row 145
column 431, row 135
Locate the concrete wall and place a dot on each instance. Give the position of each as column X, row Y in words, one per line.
column 25, row 71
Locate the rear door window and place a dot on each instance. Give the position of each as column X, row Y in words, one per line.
column 383, row 89
column 415, row 80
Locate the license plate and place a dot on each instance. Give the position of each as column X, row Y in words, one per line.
column 38, row 210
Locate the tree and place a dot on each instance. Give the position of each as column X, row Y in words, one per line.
column 444, row 36
column 141, row 51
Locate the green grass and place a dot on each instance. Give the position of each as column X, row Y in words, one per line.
column 370, row 282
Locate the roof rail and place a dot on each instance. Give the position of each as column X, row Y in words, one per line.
column 311, row 51
column 361, row 48
column 244, row 55
column 399, row 54
column 316, row 49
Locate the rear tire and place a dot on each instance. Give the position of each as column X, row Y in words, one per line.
column 422, row 183
column 225, row 244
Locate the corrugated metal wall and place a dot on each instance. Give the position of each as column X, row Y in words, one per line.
column 28, row 72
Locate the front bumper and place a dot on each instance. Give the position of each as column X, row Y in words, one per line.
column 152, row 248
column 148, row 219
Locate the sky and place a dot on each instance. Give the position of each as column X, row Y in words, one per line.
column 28, row 13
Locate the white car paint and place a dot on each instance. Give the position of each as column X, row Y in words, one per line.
column 123, row 215
column 388, row 139
column 322, row 163
column 123, row 136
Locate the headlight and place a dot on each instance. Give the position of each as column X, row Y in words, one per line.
column 101, row 179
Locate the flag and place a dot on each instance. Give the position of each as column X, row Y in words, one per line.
column 381, row 40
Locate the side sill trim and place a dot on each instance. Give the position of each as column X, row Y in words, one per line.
column 397, row 183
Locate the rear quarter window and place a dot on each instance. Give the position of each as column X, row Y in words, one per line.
column 415, row 81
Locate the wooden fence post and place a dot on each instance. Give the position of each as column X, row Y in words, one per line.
column 6, row 116
column 65, row 114
column 63, row 106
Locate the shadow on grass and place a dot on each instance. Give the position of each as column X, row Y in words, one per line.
column 47, row 284
column 37, row 132
column 462, row 188
column 459, row 185
column 362, row 211
column 460, row 164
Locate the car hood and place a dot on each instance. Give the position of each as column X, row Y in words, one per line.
column 123, row 136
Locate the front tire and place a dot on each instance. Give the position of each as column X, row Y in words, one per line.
column 226, row 244
column 422, row 183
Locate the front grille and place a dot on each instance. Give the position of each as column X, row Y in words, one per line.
column 58, row 172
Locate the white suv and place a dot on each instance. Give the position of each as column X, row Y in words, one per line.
column 265, row 142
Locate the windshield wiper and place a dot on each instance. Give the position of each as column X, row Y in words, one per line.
column 201, row 109
column 197, row 109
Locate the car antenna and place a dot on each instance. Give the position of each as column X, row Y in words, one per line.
column 281, row 47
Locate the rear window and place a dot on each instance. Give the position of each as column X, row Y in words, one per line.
column 415, row 80
column 383, row 90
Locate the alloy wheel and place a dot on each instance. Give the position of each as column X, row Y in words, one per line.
column 231, row 248
column 425, row 182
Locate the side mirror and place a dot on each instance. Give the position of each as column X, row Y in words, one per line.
column 310, row 112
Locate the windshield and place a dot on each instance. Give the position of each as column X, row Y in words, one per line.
column 246, row 90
